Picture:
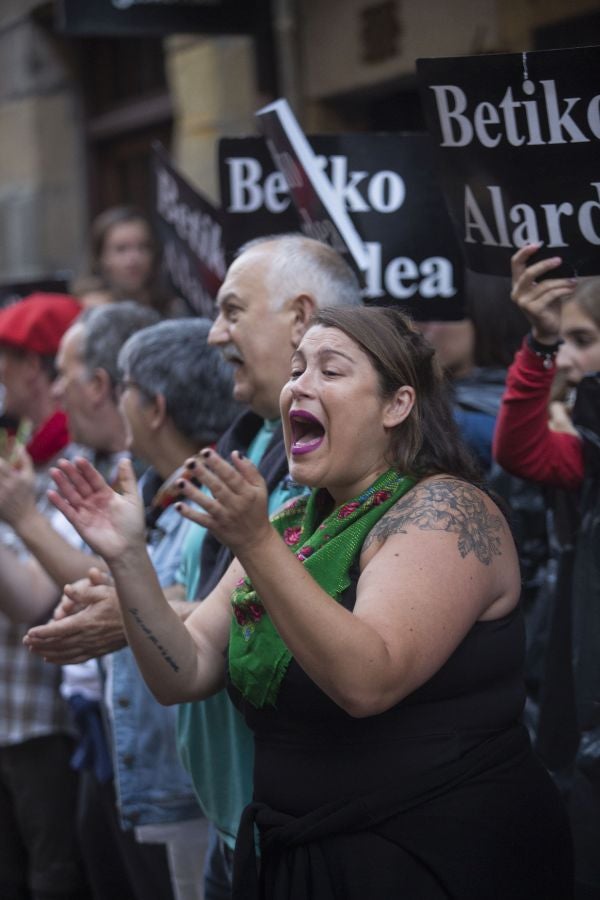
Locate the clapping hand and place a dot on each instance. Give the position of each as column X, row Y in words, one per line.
column 17, row 488
column 236, row 513
column 109, row 522
column 87, row 623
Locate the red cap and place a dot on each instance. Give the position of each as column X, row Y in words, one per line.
column 38, row 322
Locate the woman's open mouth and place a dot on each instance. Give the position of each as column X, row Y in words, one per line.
column 307, row 432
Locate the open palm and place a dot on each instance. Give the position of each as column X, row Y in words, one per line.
column 109, row 522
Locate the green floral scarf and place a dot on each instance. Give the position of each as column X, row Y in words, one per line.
column 258, row 658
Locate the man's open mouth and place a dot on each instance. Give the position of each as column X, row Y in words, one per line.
column 307, row 432
column 231, row 355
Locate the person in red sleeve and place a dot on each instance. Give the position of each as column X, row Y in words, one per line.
column 565, row 337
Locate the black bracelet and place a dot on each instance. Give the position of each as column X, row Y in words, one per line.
column 546, row 352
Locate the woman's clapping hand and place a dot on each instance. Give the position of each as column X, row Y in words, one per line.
column 110, row 523
column 236, row 509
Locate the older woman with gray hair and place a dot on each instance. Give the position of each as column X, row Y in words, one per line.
column 173, row 360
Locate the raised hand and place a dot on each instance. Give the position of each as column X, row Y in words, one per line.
column 17, row 488
column 109, row 522
column 540, row 301
column 89, row 624
column 236, row 512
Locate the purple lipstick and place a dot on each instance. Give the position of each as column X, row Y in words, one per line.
column 307, row 432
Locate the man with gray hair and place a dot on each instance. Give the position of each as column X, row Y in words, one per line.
column 270, row 292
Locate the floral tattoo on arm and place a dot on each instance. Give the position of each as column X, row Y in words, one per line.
column 445, row 505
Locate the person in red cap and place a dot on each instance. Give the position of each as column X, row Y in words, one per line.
column 39, row 855
column 37, row 322
column 30, row 332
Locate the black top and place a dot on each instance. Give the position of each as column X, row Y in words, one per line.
column 318, row 750
column 439, row 797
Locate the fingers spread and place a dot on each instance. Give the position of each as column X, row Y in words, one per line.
column 127, row 479
column 189, row 512
column 83, row 476
column 246, row 468
column 66, row 487
column 218, row 475
column 91, row 475
column 63, row 505
column 538, row 269
column 523, row 254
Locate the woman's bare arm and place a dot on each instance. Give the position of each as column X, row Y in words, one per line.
column 176, row 665
column 441, row 560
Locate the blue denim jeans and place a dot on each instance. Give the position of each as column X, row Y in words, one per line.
column 218, row 867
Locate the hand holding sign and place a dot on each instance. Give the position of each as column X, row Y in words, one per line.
column 540, row 302
column 516, row 139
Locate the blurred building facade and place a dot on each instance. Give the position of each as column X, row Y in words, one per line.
column 78, row 113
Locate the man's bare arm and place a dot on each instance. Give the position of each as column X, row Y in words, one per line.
column 63, row 562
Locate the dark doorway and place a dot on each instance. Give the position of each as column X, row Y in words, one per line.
column 127, row 106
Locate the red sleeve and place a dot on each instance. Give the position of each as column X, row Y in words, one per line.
column 523, row 443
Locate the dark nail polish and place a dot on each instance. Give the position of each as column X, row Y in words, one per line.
column 205, row 453
column 191, row 464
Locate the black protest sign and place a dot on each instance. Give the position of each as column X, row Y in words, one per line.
column 322, row 213
column 517, row 139
column 255, row 200
column 386, row 185
column 191, row 233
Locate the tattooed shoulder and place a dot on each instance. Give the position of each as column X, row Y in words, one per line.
column 445, row 504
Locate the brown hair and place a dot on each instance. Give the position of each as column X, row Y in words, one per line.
column 587, row 296
column 158, row 297
column 428, row 441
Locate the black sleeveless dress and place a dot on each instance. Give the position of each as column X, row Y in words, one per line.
column 438, row 797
